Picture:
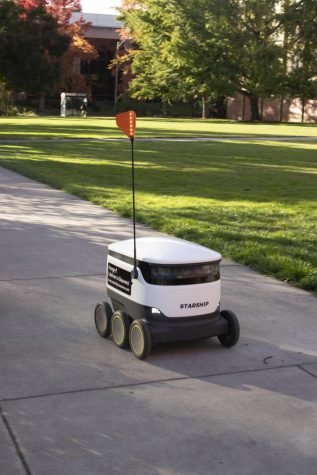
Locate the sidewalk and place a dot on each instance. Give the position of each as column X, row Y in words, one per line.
column 74, row 404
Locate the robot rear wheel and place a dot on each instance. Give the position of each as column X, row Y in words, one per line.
column 103, row 314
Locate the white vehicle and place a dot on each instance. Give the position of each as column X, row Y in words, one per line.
column 170, row 293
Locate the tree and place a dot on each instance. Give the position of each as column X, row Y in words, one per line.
column 301, row 19
column 262, row 70
column 79, row 47
column 206, row 46
column 279, row 40
column 186, row 48
column 30, row 48
column 153, row 74
column 211, row 48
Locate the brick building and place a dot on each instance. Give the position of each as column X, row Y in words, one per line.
column 104, row 35
column 274, row 110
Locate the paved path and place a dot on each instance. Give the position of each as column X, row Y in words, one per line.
column 215, row 138
column 74, row 404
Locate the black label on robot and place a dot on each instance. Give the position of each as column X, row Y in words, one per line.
column 119, row 278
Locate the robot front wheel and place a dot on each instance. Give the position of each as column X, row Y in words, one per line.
column 135, row 334
column 140, row 339
column 232, row 337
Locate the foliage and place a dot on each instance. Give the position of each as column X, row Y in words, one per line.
column 185, row 48
column 262, row 71
column 213, row 48
column 79, row 48
column 301, row 18
column 30, row 48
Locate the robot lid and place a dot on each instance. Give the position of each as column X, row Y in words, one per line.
column 164, row 250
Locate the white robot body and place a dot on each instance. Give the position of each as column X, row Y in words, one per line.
column 176, row 292
column 170, row 292
column 176, row 278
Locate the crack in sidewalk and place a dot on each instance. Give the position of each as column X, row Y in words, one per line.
column 307, row 370
column 15, row 443
column 158, row 381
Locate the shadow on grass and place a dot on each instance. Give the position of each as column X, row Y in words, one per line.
column 218, row 171
column 55, row 131
column 55, row 127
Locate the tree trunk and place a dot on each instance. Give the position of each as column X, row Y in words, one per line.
column 281, row 109
column 206, row 104
column 262, row 107
column 164, row 109
column 42, row 104
column 255, row 114
column 303, row 109
column 222, row 107
column 243, row 107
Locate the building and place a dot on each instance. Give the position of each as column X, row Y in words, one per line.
column 274, row 110
column 104, row 35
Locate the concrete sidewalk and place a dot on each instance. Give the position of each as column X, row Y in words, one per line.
column 73, row 403
column 213, row 138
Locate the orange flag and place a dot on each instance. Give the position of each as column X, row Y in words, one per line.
column 126, row 121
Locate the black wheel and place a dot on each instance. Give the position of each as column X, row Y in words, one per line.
column 140, row 339
column 103, row 314
column 120, row 325
column 234, row 329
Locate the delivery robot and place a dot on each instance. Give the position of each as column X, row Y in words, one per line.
column 161, row 289
column 171, row 294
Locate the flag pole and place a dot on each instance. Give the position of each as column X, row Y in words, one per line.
column 135, row 270
column 126, row 121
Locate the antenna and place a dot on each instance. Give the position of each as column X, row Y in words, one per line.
column 126, row 121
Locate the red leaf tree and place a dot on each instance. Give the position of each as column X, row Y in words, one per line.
column 80, row 49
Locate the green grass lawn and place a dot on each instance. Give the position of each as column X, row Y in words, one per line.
column 253, row 201
column 104, row 127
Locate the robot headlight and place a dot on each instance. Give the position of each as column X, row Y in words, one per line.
column 155, row 311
